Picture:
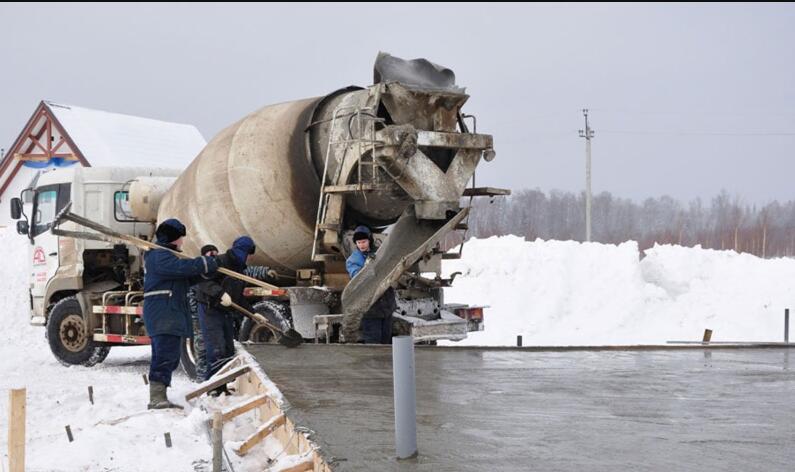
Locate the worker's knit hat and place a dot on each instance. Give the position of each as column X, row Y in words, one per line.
column 361, row 232
column 170, row 230
column 207, row 248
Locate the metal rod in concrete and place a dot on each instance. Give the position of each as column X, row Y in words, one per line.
column 405, row 396
column 519, row 341
column 218, row 428
column 786, row 325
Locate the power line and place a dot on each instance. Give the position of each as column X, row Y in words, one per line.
column 626, row 111
column 700, row 133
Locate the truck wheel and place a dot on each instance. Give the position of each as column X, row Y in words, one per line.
column 277, row 313
column 69, row 337
column 192, row 353
column 188, row 359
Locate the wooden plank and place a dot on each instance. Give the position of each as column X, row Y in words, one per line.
column 304, row 466
column 216, row 382
column 234, row 363
column 261, row 433
column 16, row 430
column 241, row 408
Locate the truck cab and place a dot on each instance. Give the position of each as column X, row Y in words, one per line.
column 74, row 271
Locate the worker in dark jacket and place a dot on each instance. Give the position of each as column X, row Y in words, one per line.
column 215, row 296
column 259, row 272
column 167, row 279
column 198, row 339
column 377, row 321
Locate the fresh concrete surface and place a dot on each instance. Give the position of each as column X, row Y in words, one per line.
column 511, row 409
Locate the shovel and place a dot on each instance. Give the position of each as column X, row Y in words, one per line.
column 290, row 338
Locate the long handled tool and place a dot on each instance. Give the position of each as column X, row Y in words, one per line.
column 289, row 338
column 114, row 236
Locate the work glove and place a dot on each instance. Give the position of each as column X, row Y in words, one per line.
column 226, row 300
column 273, row 274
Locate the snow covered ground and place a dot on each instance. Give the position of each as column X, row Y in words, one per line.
column 570, row 293
column 549, row 292
column 117, row 432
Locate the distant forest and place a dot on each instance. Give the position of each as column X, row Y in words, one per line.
column 724, row 222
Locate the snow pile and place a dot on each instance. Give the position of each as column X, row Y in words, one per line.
column 569, row 293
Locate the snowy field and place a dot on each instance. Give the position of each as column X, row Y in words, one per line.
column 552, row 293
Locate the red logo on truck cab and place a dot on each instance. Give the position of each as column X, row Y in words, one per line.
column 38, row 256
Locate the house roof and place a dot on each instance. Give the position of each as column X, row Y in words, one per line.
column 108, row 139
column 100, row 139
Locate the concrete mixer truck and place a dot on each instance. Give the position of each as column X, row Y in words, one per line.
column 297, row 177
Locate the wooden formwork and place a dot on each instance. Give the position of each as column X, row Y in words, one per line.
column 262, row 397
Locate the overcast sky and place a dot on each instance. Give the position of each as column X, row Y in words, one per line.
column 685, row 100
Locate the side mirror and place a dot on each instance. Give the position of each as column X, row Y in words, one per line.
column 16, row 208
column 22, row 227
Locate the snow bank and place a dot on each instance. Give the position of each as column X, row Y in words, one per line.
column 569, row 293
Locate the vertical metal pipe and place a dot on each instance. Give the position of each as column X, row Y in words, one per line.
column 218, row 427
column 405, row 396
column 519, row 341
column 786, row 325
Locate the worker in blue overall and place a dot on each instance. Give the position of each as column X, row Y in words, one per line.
column 377, row 321
column 167, row 279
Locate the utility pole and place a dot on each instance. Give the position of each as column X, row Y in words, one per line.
column 587, row 134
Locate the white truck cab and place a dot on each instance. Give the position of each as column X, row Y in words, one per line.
column 78, row 269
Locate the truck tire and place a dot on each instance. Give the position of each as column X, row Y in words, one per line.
column 192, row 354
column 277, row 313
column 69, row 339
column 187, row 359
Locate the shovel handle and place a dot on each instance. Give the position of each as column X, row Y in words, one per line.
column 146, row 245
column 256, row 317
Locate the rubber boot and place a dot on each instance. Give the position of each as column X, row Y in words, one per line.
column 157, row 397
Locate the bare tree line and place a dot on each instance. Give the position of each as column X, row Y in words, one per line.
column 725, row 222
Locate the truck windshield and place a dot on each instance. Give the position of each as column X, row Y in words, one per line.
column 45, row 210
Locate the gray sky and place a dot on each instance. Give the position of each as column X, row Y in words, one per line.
column 685, row 100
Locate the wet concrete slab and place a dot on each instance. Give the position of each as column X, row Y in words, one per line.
column 507, row 410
